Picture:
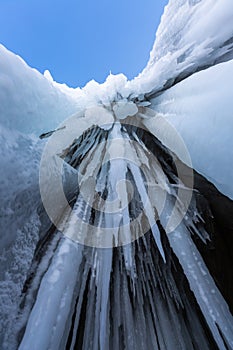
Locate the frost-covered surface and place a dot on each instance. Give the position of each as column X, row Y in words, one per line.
column 34, row 103
column 29, row 102
column 200, row 109
column 188, row 39
column 19, row 224
column 19, row 190
column 192, row 37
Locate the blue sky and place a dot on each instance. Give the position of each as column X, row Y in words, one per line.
column 80, row 40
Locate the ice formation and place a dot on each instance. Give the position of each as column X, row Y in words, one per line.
column 116, row 232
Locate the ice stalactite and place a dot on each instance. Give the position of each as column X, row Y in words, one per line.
column 133, row 249
column 131, row 284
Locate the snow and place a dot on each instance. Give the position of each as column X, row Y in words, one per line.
column 29, row 102
column 192, row 35
column 38, row 103
column 124, row 109
column 100, row 116
column 192, row 44
column 200, row 110
column 48, row 75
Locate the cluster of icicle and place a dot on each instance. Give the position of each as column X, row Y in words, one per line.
column 142, row 286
